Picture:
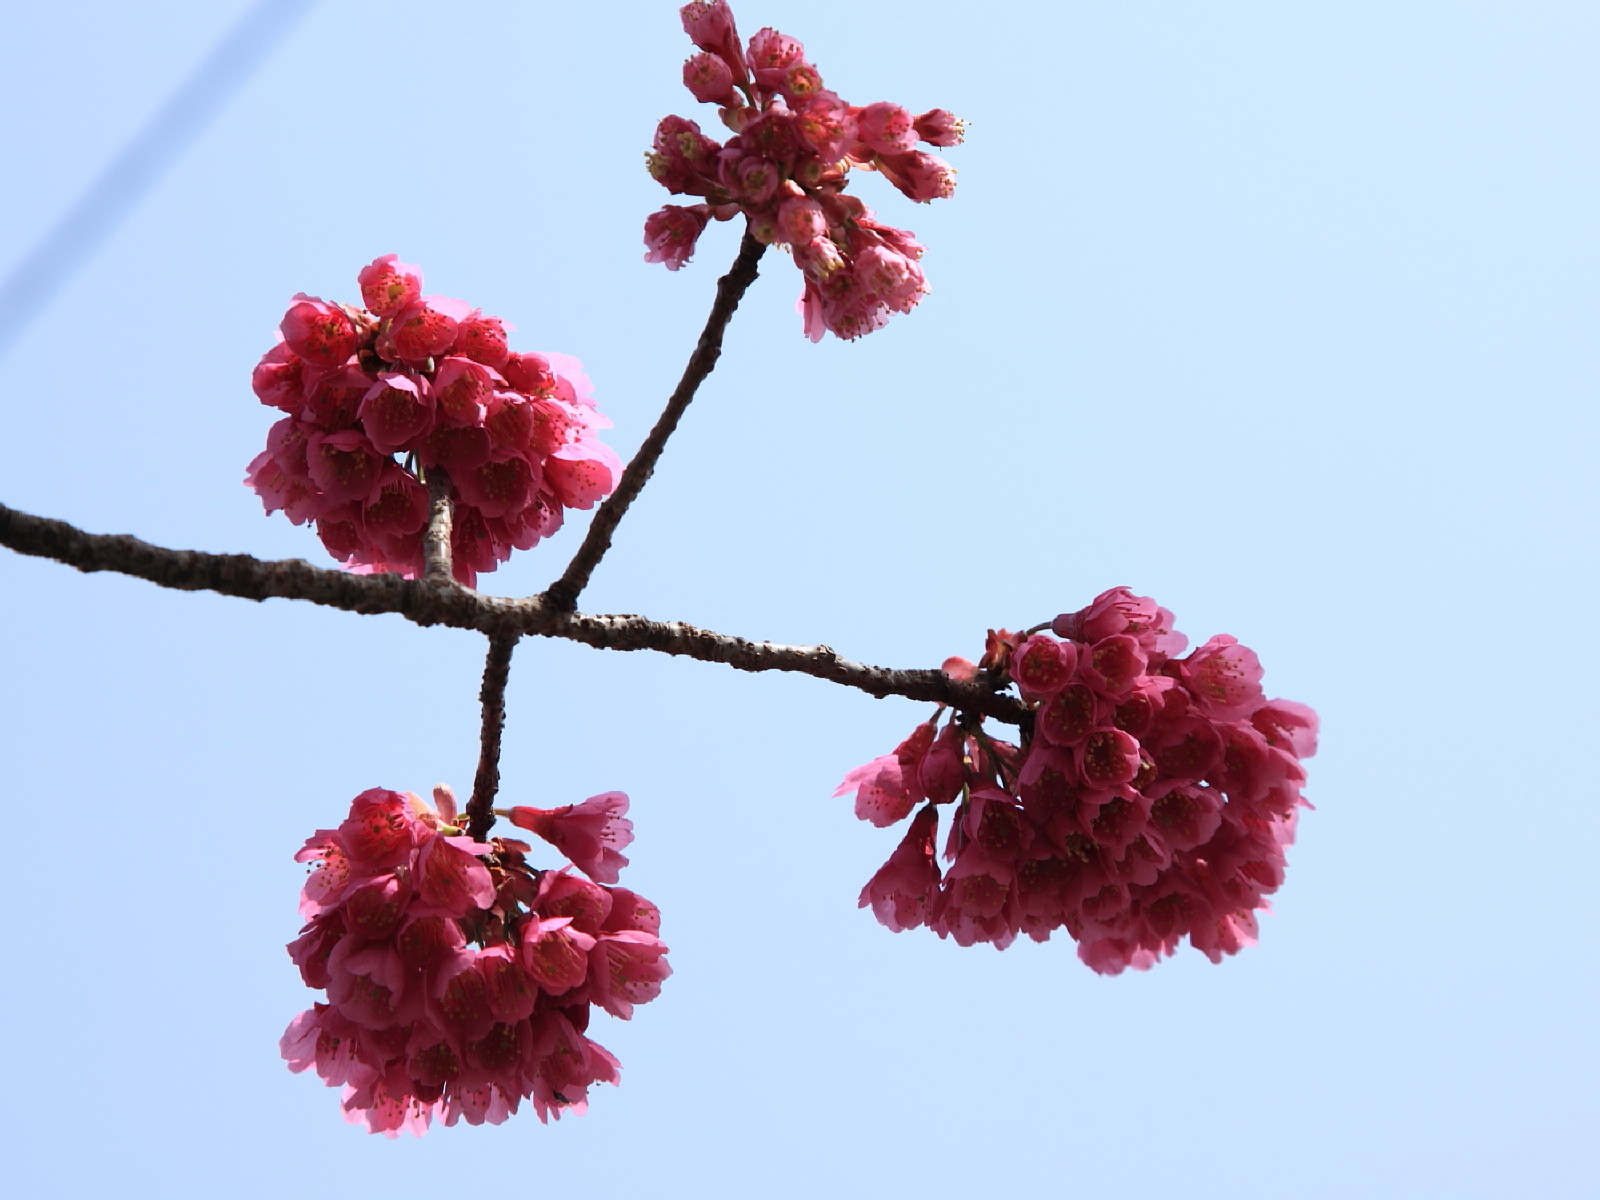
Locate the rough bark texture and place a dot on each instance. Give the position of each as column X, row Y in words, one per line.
column 427, row 603
column 496, row 672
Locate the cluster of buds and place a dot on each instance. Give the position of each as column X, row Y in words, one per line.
column 794, row 143
column 459, row 979
column 1150, row 798
column 430, row 380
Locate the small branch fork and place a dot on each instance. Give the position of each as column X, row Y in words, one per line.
column 425, row 603
column 437, row 599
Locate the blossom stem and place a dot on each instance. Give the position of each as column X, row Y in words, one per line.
column 1007, row 776
column 562, row 595
column 496, row 672
column 436, row 537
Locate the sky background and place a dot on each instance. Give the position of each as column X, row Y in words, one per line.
column 1282, row 313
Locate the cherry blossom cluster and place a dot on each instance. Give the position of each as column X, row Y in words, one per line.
column 1150, row 798
column 430, row 380
column 794, row 144
column 460, row 980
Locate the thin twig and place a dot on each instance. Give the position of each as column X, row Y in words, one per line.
column 460, row 608
column 496, row 671
column 436, row 536
column 562, row 595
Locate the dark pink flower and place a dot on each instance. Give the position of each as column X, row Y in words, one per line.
column 942, row 771
column 591, row 834
column 333, row 397
column 388, row 285
column 422, row 329
column 1150, row 801
column 1042, row 665
column 421, row 1022
column 671, row 233
column 319, row 332
column 278, row 379
column 918, row 176
column 502, row 486
column 483, row 339
column 939, row 127
column 1118, row 610
column 709, row 24
column 450, row 877
column 518, row 434
column 381, row 830
column 556, row 954
column 582, row 473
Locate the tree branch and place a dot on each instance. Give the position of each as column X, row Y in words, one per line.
column 496, row 672
column 461, row 608
column 436, row 534
column 562, row 595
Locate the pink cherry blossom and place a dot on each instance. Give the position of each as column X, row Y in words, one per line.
column 591, row 834
column 450, row 996
column 320, row 333
column 672, row 232
column 785, row 167
column 388, row 285
column 430, row 379
column 904, row 891
column 1149, row 803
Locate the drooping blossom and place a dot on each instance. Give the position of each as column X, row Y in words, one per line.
column 1150, row 799
column 375, row 398
column 460, row 980
column 794, row 143
column 592, row 834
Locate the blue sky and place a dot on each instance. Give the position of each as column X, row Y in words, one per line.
column 1280, row 313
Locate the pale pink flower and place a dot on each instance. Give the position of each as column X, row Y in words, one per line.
column 904, row 892
column 888, row 788
column 886, row 128
column 1224, row 678
column 786, row 168
column 625, row 969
